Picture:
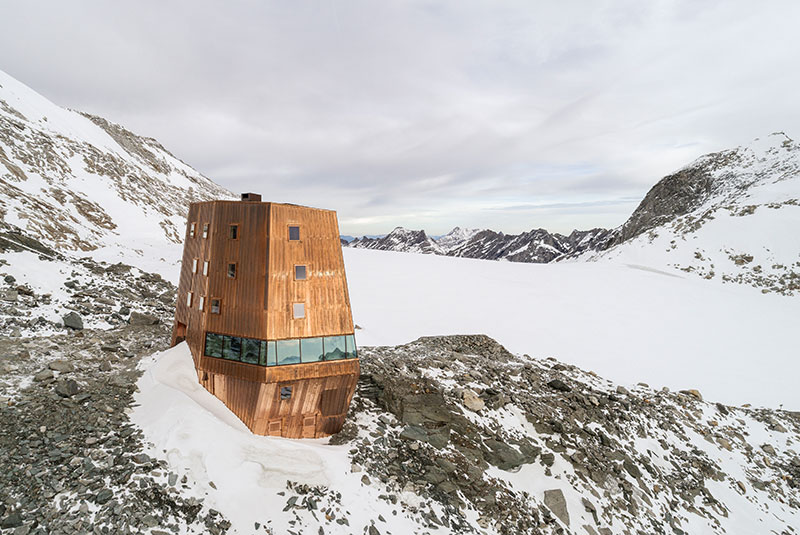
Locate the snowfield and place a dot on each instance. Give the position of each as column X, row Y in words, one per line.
column 629, row 323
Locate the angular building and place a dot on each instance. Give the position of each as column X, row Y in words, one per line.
column 264, row 308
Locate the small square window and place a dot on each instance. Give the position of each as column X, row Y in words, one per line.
column 205, row 268
column 201, row 302
column 231, row 271
column 192, row 228
column 189, row 299
column 194, row 266
column 298, row 310
column 299, row 273
column 233, row 232
column 294, row 233
column 286, row 392
column 205, row 230
column 215, row 306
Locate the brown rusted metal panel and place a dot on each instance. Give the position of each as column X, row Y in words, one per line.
column 256, row 303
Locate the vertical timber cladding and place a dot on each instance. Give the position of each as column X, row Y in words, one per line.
column 257, row 303
column 241, row 310
column 194, row 248
column 324, row 292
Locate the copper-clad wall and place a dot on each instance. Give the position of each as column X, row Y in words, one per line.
column 257, row 303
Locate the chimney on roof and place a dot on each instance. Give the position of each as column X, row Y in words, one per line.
column 251, row 197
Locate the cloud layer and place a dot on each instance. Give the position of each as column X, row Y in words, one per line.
column 507, row 115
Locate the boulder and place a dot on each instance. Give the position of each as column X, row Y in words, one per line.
column 137, row 318
column 693, row 392
column 73, row 320
column 61, row 366
column 67, row 388
column 472, row 401
column 554, row 500
column 43, row 375
column 558, row 384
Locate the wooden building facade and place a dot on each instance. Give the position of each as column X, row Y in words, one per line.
column 264, row 308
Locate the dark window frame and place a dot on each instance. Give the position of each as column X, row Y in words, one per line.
column 290, row 228
column 218, row 307
column 305, row 272
column 285, row 392
column 233, row 231
column 235, row 269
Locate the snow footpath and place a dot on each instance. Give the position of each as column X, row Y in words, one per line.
column 241, row 474
column 629, row 323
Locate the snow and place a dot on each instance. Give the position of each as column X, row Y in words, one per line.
column 627, row 323
column 199, row 437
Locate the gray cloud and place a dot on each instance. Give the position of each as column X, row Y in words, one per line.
column 419, row 113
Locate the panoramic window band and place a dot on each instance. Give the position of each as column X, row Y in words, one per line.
column 280, row 352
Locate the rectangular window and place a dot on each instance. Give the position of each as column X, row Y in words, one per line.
column 215, row 306
column 194, row 266
column 310, row 349
column 232, row 348
column 201, row 302
column 192, row 228
column 298, row 310
column 233, row 232
column 189, row 299
column 214, row 345
column 288, row 351
column 205, row 268
column 294, row 233
column 286, row 393
column 299, row 273
column 205, row 230
column 350, row 343
column 334, row 348
column 231, row 271
column 272, row 358
column 250, row 350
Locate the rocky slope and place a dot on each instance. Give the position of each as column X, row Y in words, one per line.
column 728, row 216
column 81, row 184
column 446, row 434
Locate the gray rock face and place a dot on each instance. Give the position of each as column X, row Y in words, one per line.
column 554, row 500
column 43, row 375
column 67, row 388
column 61, row 366
column 73, row 320
column 138, row 318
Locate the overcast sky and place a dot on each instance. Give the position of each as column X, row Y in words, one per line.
column 507, row 115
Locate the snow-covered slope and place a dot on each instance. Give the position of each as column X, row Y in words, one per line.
column 732, row 216
column 628, row 323
column 83, row 185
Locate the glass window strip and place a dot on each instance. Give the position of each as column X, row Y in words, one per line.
column 292, row 350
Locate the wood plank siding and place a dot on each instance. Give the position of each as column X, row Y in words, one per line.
column 258, row 303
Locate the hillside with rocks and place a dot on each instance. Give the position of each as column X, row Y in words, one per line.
column 728, row 216
column 446, row 434
column 83, row 185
